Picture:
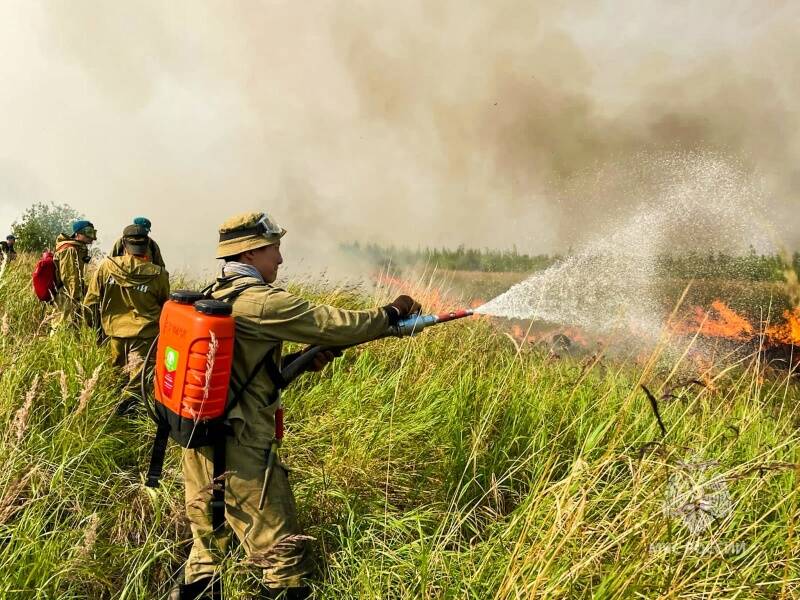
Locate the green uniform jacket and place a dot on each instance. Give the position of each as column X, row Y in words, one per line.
column 71, row 258
column 265, row 317
column 153, row 251
column 129, row 293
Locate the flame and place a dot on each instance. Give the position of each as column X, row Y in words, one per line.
column 721, row 321
column 787, row 332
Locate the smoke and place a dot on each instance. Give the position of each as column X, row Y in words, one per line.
column 512, row 122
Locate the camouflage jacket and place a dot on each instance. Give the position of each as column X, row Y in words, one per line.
column 128, row 293
column 71, row 258
column 266, row 316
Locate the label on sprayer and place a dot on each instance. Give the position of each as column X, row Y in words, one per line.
column 171, row 358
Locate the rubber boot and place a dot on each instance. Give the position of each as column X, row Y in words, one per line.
column 292, row 593
column 202, row 589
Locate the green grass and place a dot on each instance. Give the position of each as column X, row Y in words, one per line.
column 452, row 465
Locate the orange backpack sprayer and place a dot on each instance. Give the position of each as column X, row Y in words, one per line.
column 193, row 366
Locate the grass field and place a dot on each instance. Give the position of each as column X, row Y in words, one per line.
column 453, row 465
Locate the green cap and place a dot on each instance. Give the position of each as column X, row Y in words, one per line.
column 247, row 231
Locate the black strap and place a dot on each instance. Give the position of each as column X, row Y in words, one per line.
column 206, row 291
column 218, row 482
column 239, row 233
column 274, row 373
column 236, row 292
column 157, row 456
column 267, row 363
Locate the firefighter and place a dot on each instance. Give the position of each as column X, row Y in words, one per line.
column 7, row 248
column 153, row 251
column 127, row 293
column 71, row 257
column 266, row 316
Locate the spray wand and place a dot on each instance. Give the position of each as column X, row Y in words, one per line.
column 407, row 327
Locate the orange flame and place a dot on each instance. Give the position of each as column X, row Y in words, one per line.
column 721, row 321
column 787, row 332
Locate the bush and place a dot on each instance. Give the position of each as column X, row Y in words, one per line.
column 40, row 225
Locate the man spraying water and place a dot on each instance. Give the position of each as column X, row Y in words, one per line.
column 256, row 501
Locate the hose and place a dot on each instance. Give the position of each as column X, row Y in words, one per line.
column 143, row 382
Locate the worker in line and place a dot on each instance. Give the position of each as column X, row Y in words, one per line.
column 265, row 316
column 7, row 248
column 127, row 293
column 71, row 257
column 153, row 251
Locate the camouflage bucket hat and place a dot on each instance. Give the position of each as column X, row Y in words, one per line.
column 247, row 231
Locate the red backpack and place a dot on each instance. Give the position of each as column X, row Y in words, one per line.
column 44, row 278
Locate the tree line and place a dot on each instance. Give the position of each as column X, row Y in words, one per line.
column 751, row 266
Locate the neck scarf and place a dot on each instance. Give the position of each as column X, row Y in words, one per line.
column 237, row 268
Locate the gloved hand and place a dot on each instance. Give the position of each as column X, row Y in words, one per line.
column 402, row 307
column 323, row 358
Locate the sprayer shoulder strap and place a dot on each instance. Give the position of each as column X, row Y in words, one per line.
column 268, row 364
column 234, row 293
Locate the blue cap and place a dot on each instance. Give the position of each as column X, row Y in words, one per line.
column 78, row 226
column 143, row 222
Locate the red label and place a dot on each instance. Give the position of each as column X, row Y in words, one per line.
column 169, row 383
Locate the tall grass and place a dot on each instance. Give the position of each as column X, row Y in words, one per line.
column 453, row 465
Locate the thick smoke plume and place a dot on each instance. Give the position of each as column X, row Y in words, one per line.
column 410, row 123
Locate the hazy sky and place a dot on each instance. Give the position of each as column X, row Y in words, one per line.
column 419, row 122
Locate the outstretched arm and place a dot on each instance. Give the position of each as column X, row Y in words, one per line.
column 292, row 318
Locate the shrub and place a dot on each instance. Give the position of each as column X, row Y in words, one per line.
column 40, row 225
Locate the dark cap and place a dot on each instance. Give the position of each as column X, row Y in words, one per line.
column 135, row 239
column 11, row 237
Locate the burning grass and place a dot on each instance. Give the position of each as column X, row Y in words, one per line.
column 455, row 465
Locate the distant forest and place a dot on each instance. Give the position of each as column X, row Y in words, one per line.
column 692, row 265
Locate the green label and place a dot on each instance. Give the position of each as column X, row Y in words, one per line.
column 171, row 359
